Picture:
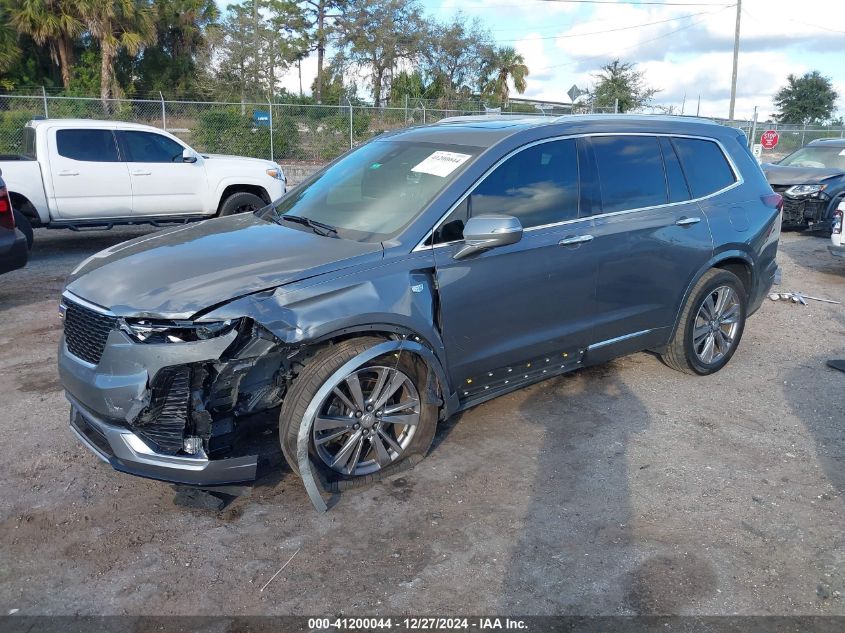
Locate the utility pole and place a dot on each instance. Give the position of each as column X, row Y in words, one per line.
column 736, row 60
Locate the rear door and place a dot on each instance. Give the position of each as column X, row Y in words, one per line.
column 162, row 183
column 89, row 179
column 652, row 236
column 512, row 311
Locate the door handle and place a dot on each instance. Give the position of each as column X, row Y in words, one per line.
column 688, row 221
column 575, row 240
column 141, row 173
column 67, row 172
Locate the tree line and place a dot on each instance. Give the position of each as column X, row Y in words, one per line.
column 189, row 49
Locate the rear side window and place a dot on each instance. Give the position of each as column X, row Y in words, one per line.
column 678, row 190
column 539, row 185
column 704, row 164
column 148, row 147
column 96, row 146
column 29, row 142
column 630, row 170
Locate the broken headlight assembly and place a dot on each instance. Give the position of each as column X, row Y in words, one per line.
column 161, row 331
column 800, row 191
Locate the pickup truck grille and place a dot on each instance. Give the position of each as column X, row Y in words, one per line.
column 86, row 331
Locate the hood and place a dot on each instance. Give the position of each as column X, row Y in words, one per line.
column 176, row 273
column 782, row 175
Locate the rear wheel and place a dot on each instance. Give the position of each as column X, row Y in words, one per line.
column 711, row 325
column 241, row 202
column 25, row 227
column 370, row 423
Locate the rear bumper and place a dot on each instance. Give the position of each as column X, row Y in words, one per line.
column 16, row 255
column 127, row 452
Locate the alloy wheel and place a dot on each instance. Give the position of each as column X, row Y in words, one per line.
column 368, row 421
column 716, row 325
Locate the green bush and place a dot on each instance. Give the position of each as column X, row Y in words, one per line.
column 227, row 131
column 12, row 123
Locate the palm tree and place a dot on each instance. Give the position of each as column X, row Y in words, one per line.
column 117, row 24
column 504, row 64
column 54, row 23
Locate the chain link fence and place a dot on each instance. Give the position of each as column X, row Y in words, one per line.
column 306, row 133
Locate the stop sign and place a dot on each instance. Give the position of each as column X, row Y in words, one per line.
column 770, row 139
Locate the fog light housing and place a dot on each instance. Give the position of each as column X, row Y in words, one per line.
column 192, row 445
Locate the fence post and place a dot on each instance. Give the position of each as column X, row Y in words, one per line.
column 406, row 109
column 803, row 132
column 163, row 113
column 753, row 129
column 270, row 103
column 616, row 106
column 423, row 107
column 44, row 96
column 349, row 101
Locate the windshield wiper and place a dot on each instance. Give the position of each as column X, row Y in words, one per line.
column 318, row 227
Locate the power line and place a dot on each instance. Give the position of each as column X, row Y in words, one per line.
column 638, row 44
column 644, row 2
column 623, row 28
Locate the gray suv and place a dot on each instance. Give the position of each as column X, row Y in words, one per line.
column 420, row 274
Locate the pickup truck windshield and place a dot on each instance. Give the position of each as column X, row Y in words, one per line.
column 820, row 157
column 376, row 191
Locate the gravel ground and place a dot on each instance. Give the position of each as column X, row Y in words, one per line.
column 626, row 488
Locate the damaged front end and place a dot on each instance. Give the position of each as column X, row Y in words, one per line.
column 172, row 400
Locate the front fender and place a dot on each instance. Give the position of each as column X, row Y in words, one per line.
column 274, row 188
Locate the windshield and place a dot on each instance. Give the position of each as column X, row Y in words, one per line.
column 819, row 157
column 376, row 191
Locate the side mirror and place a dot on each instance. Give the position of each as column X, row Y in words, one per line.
column 188, row 156
column 489, row 230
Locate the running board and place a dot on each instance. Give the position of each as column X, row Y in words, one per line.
column 105, row 225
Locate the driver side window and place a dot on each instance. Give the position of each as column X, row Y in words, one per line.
column 149, row 147
column 538, row 185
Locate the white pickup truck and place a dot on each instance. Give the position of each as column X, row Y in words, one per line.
column 96, row 174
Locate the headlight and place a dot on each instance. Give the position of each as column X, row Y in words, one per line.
column 276, row 173
column 154, row 331
column 804, row 190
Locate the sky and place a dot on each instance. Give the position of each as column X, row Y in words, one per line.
column 684, row 47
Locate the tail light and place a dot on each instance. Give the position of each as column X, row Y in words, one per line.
column 7, row 218
column 773, row 200
column 837, row 221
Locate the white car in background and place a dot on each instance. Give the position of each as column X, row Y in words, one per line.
column 837, row 244
column 96, row 174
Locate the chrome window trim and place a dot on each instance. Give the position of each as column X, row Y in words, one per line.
column 67, row 294
column 738, row 180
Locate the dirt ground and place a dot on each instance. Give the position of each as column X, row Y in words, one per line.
column 626, row 488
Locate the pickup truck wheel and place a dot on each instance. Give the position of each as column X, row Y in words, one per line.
column 710, row 326
column 375, row 419
column 23, row 223
column 241, row 202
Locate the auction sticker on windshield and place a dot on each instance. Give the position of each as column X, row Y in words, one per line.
column 441, row 163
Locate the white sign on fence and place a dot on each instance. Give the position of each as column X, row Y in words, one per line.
column 757, row 150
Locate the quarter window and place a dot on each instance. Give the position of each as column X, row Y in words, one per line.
column 630, row 170
column 539, row 185
column 148, row 147
column 95, row 146
column 704, row 164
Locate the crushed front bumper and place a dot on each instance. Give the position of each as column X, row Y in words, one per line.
column 128, row 453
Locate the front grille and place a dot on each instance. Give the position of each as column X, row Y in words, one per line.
column 86, row 331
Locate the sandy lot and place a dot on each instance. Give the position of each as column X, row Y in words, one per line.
column 626, row 488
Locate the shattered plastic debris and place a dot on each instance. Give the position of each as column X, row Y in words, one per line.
column 798, row 297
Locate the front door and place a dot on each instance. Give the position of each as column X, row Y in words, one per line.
column 506, row 310
column 89, row 179
column 162, row 183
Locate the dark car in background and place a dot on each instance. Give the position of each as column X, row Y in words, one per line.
column 812, row 183
column 423, row 273
column 14, row 248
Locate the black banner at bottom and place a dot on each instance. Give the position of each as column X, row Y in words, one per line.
column 418, row 624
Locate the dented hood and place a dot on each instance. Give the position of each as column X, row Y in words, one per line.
column 783, row 175
column 176, row 273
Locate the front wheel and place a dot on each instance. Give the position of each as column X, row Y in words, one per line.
column 711, row 325
column 241, row 202
column 374, row 419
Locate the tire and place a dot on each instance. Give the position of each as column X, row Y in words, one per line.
column 25, row 226
column 241, row 202
column 688, row 350
column 367, row 467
